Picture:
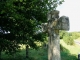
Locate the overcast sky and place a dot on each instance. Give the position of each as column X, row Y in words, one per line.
column 71, row 8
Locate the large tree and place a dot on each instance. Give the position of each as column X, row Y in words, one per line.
column 22, row 19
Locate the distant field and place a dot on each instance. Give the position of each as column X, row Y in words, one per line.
column 70, row 52
column 75, row 49
column 78, row 39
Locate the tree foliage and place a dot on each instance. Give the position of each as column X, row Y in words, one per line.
column 62, row 33
column 67, row 37
column 75, row 35
column 22, row 18
column 68, row 40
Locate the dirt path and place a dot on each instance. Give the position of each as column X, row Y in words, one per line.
column 77, row 42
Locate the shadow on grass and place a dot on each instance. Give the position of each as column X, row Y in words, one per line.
column 40, row 54
column 65, row 54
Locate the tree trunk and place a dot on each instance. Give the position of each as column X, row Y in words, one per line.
column 27, row 51
column 0, row 54
column 54, row 47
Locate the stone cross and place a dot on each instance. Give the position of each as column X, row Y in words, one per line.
column 52, row 27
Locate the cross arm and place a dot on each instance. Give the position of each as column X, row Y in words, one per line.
column 60, row 24
column 63, row 23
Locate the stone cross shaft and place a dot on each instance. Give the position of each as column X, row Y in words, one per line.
column 52, row 27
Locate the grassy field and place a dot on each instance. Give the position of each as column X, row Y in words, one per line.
column 67, row 53
column 40, row 54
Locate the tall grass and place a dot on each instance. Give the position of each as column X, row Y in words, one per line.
column 67, row 53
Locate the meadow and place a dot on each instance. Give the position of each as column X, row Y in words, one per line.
column 68, row 52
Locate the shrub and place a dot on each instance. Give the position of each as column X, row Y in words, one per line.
column 68, row 40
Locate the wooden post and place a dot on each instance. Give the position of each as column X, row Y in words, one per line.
column 52, row 27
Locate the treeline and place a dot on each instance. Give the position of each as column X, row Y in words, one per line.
column 69, row 37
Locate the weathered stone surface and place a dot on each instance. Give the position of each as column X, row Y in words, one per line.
column 54, row 47
column 44, row 27
column 63, row 23
column 52, row 15
column 55, row 22
column 52, row 27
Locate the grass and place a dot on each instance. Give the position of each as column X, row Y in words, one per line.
column 40, row 54
column 74, row 49
column 67, row 53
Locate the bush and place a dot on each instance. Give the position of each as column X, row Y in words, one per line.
column 68, row 40
column 75, row 35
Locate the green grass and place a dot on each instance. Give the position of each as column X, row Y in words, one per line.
column 74, row 49
column 67, row 53
column 40, row 54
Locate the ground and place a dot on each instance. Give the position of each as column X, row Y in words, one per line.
column 68, row 52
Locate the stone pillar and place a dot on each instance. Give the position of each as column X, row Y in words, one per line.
column 52, row 27
column 54, row 47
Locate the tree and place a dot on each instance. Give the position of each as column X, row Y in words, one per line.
column 75, row 35
column 22, row 18
column 62, row 33
column 68, row 39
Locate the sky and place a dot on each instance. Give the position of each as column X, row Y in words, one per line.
column 71, row 8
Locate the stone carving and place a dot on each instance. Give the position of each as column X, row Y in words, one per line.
column 52, row 27
column 63, row 23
